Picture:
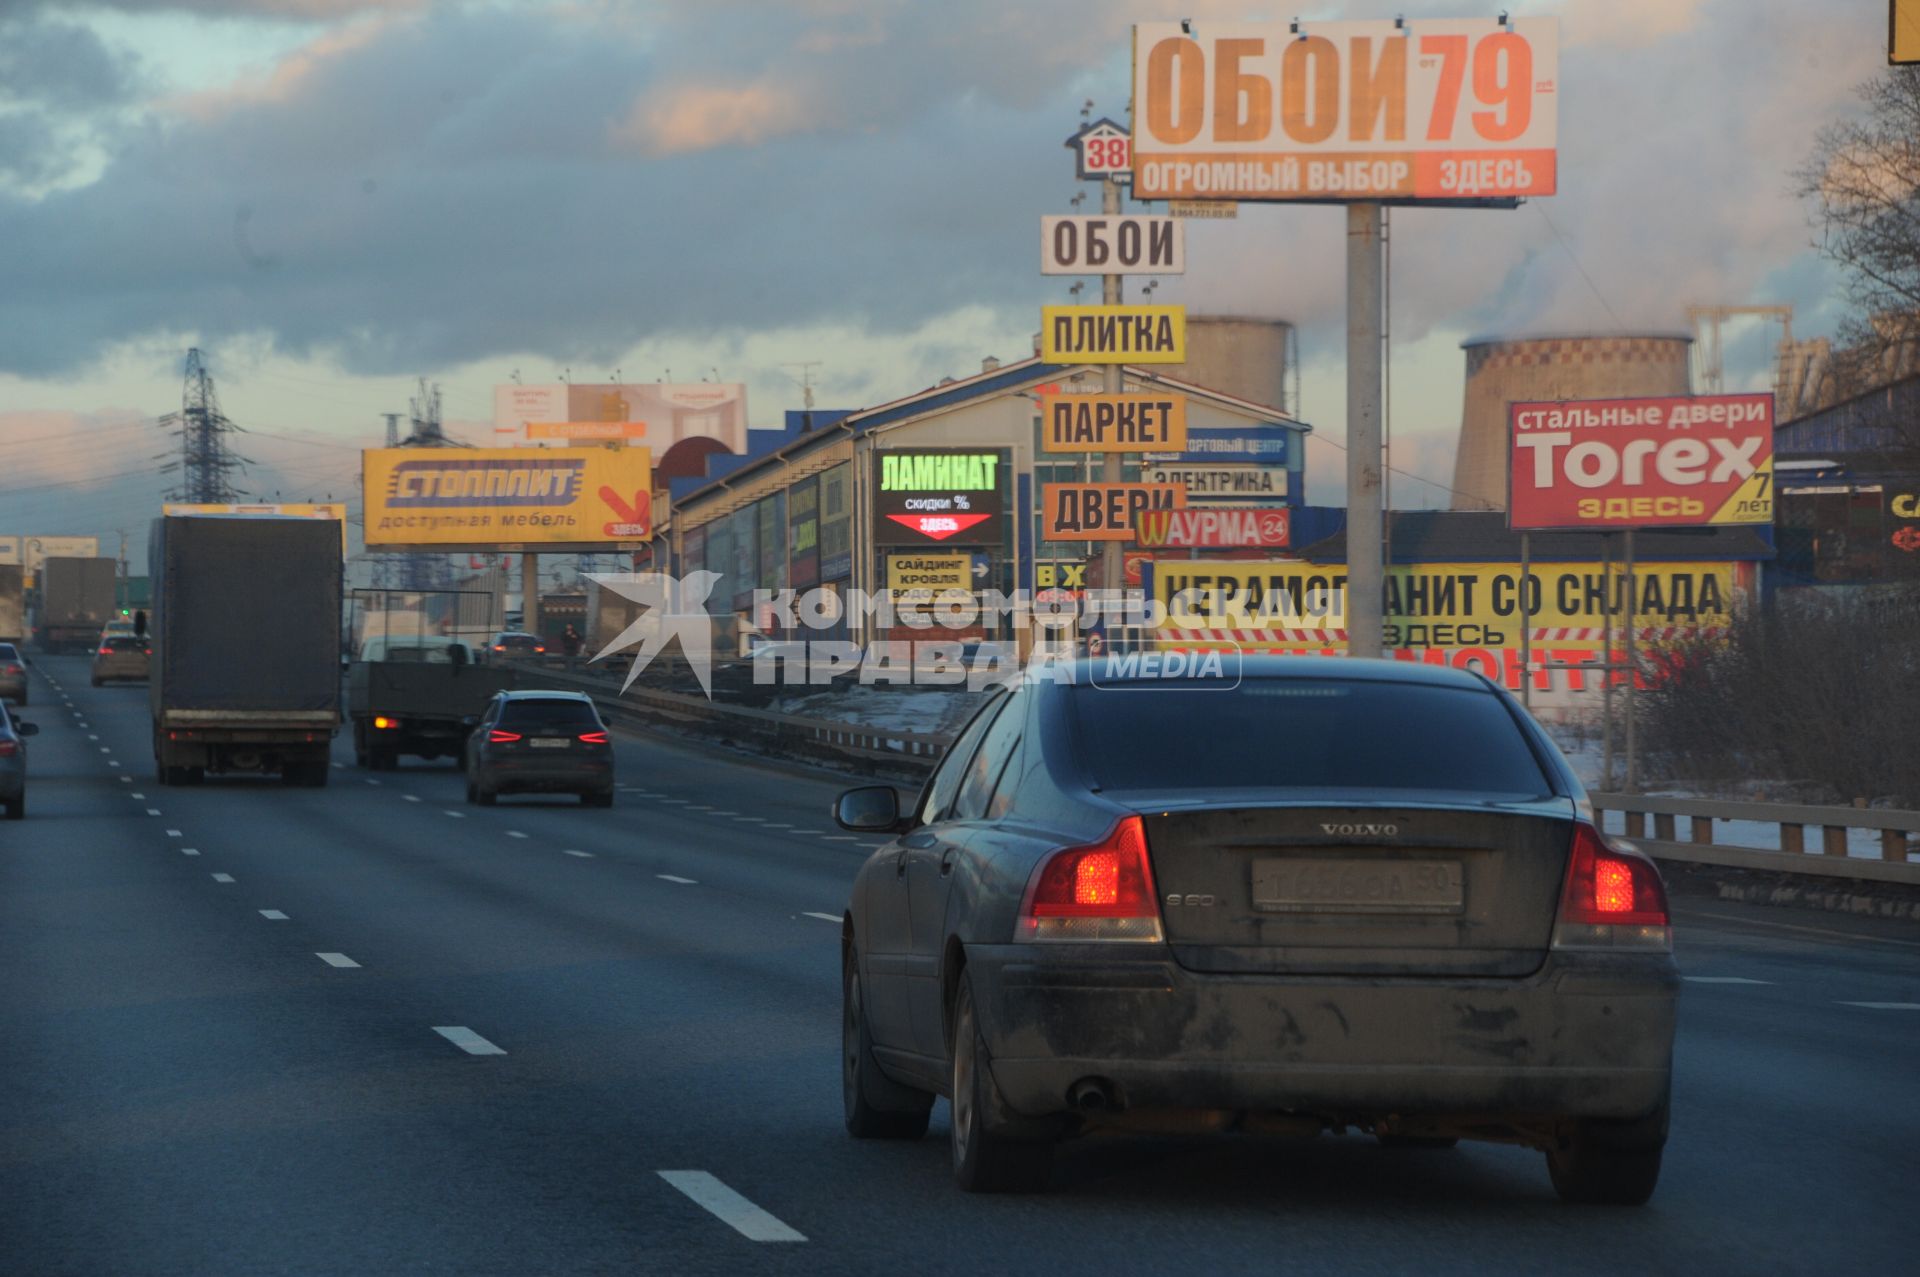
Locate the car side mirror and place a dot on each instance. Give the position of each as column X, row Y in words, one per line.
column 870, row 809
column 26, row 729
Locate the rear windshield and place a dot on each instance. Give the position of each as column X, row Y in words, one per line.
column 517, row 640
column 554, row 713
column 8, row 652
column 1305, row 734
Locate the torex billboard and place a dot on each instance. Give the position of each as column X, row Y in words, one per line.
column 1427, row 109
column 1641, row 463
column 506, row 498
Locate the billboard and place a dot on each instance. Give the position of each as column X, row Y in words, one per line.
column 1080, row 244
column 925, row 495
column 1102, row 511
column 1199, row 528
column 1441, row 605
column 1127, row 334
column 1641, row 463
column 1223, row 483
column 512, row 499
column 836, row 522
column 1113, row 423
column 31, row 551
column 1267, row 445
column 667, row 412
column 1435, row 109
column 930, row 573
column 803, row 533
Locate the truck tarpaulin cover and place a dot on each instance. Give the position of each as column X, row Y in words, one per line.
column 246, row 614
column 507, row 498
column 76, row 591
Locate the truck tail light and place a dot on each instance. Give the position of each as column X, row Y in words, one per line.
column 384, row 723
column 1102, row 891
column 497, row 737
column 594, row 738
column 1613, row 897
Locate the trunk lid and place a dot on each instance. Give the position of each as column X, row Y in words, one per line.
column 1436, row 889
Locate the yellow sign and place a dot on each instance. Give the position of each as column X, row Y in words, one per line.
column 335, row 510
column 1442, row 605
column 1903, row 31
column 1102, row 511
column 507, row 498
column 929, row 573
column 1115, row 423
column 592, row 430
column 1113, row 334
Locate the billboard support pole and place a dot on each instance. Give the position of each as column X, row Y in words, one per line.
column 1113, row 381
column 1633, row 674
column 1365, row 302
column 1606, row 660
column 530, row 593
column 1526, row 621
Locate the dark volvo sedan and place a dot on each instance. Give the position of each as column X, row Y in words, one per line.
column 1313, row 895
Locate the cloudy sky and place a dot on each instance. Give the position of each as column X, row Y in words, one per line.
column 334, row 197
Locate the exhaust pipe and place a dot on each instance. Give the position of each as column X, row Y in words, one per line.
column 1092, row 1095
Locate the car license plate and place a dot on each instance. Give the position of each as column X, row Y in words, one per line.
column 1351, row 885
column 549, row 742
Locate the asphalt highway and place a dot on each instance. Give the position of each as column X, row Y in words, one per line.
column 369, row 1029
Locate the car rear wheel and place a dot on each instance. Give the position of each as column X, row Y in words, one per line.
column 877, row 1107
column 484, row 797
column 473, row 795
column 1609, row 1163
column 96, row 680
column 985, row 1162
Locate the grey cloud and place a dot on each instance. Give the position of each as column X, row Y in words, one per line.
column 61, row 64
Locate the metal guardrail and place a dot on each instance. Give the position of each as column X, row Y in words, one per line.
column 792, row 734
column 1899, row 834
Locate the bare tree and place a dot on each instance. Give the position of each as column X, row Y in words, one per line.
column 1863, row 179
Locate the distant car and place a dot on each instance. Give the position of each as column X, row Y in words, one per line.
column 540, row 743
column 1315, row 895
column 119, row 657
column 516, row 645
column 13, row 674
column 13, row 763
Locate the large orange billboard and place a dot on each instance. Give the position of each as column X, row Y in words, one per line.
column 513, row 499
column 1421, row 109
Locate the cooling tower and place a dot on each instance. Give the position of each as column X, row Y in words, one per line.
column 1245, row 358
column 1506, row 370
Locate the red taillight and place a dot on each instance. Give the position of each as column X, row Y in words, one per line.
column 8, row 749
column 497, row 737
column 538, row 648
column 1103, row 891
column 594, row 738
column 13, row 669
column 1613, row 896
column 146, row 651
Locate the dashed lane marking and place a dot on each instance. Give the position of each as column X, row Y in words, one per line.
column 457, row 815
column 757, row 820
column 467, row 1040
column 370, row 780
column 685, row 882
column 223, row 877
column 273, row 915
column 515, row 833
column 730, row 1208
column 1884, row 1006
column 824, row 917
column 840, row 838
column 113, row 762
column 584, row 855
column 189, row 851
column 126, row 780
column 677, row 802
column 153, row 811
column 1722, row 979
column 173, row 833
column 412, row 798
column 90, row 736
column 136, row 796
column 336, row 959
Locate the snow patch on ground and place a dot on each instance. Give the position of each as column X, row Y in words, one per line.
column 921, row 710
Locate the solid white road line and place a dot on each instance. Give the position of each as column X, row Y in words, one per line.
column 336, row 959
column 1884, row 1006
column 273, row 915
column 223, row 877
column 1721, row 979
column 584, row 855
column 515, row 833
column 824, row 917
column 685, row 882
column 189, row 851
column 730, row 1208
column 467, row 1040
